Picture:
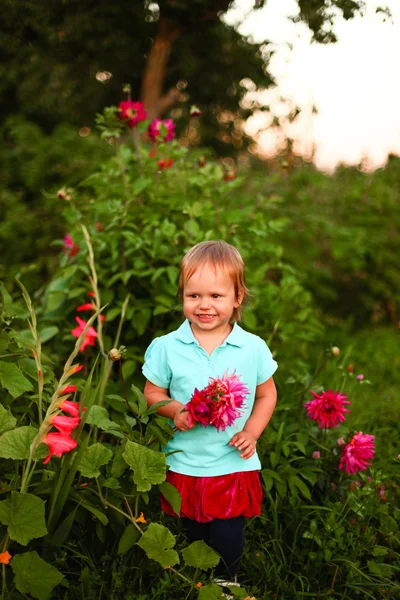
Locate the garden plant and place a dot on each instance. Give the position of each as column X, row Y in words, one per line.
column 81, row 461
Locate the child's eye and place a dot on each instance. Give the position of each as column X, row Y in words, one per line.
column 193, row 295
column 216, row 295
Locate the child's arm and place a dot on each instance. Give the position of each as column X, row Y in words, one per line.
column 264, row 405
column 153, row 393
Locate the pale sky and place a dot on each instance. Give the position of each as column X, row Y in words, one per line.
column 354, row 84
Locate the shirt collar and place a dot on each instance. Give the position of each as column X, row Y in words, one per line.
column 235, row 338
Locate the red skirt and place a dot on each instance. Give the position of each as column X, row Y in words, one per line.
column 218, row 497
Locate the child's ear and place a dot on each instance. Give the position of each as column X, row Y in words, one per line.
column 240, row 296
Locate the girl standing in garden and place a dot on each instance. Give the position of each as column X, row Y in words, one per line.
column 215, row 471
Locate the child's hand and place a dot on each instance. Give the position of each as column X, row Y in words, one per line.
column 245, row 442
column 181, row 419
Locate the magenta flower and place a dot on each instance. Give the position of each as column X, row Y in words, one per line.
column 360, row 377
column 58, row 443
column 90, row 336
column 69, row 245
column 327, row 408
column 161, row 131
column 218, row 403
column 358, row 451
column 316, row 454
column 133, row 112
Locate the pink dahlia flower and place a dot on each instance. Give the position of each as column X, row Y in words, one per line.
column 133, row 112
column 358, row 451
column 161, row 131
column 58, row 443
column 218, row 403
column 90, row 336
column 327, row 408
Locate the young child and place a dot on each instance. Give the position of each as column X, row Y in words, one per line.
column 216, row 472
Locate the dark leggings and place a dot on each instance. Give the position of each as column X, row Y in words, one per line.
column 226, row 536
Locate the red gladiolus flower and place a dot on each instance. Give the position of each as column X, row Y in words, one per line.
column 70, row 407
column 69, row 389
column 69, row 245
column 87, row 306
column 154, row 130
column 90, row 337
column 327, row 408
column 92, row 294
column 218, row 403
column 76, row 369
column 133, row 112
column 358, row 451
column 64, row 424
column 58, row 443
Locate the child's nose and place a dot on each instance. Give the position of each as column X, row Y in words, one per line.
column 205, row 303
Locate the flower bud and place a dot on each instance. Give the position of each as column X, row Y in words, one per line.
column 61, row 194
column 335, row 351
column 195, row 111
column 115, row 354
column 350, row 368
column 360, row 377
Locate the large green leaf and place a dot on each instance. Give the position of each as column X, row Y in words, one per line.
column 94, row 457
column 157, row 541
column 149, row 467
column 172, row 496
column 210, row 592
column 98, row 415
column 24, row 516
column 16, row 443
column 7, row 421
column 201, row 556
column 128, row 539
column 13, row 380
column 34, row 576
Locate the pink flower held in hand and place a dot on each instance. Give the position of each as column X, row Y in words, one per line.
column 358, row 451
column 64, row 424
column 90, row 336
column 327, row 408
column 218, row 403
column 58, row 443
column 161, row 131
column 133, row 112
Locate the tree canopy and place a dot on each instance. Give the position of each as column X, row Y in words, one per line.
column 172, row 52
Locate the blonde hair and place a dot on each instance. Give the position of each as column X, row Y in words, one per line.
column 218, row 254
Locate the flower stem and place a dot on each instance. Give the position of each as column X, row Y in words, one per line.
column 318, row 371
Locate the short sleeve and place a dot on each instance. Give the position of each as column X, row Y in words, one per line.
column 266, row 365
column 155, row 367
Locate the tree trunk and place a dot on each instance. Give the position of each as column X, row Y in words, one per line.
column 155, row 101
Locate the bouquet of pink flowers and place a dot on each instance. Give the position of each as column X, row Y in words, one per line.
column 218, row 403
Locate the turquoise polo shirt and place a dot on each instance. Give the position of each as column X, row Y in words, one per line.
column 178, row 363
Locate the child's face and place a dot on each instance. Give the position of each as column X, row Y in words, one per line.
column 209, row 299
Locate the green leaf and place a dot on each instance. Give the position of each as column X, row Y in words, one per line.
column 96, row 512
column 300, row 485
column 62, row 531
column 16, row 443
column 98, row 415
column 13, row 380
column 47, row 333
column 149, row 467
column 201, row 556
column 157, row 542
column 128, row 539
column 140, row 184
column 210, row 592
column 94, row 457
column 172, row 496
column 112, row 483
column 34, row 576
column 24, row 516
column 139, row 396
column 7, row 420
column 192, row 229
